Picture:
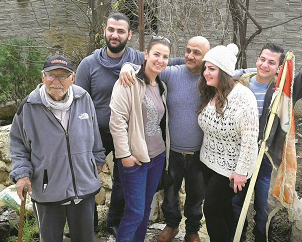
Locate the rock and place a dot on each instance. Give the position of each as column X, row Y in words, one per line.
column 8, row 110
column 105, row 168
column 2, row 166
column 9, row 167
column 106, row 181
column 2, row 187
column 295, row 216
column 155, row 207
column 109, row 163
column 8, row 220
column 102, row 213
column 100, row 197
column 4, row 143
column 298, row 109
column 108, row 196
column 4, row 177
column 4, row 230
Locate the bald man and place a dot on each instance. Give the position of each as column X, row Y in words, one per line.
column 183, row 101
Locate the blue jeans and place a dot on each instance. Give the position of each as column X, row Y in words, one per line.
column 260, row 200
column 117, row 202
column 139, row 185
column 188, row 167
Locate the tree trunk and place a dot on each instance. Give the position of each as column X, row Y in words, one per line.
column 100, row 10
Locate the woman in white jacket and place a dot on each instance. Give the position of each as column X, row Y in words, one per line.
column 229, row 119
column 138, row 125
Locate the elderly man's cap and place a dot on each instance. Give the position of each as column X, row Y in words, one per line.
column 57, row 62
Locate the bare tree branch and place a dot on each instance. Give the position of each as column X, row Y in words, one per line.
column 240, row 27
column 248, row 14
column 83, row 12
column 282, row 23
column 249, row 39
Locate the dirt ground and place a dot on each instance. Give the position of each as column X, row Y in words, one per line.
column 299, row 156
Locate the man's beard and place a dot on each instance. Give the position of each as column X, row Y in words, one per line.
column 118, row 48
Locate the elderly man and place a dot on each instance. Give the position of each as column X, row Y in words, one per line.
column 183, row 101
column 97, row 74
column 57, row 153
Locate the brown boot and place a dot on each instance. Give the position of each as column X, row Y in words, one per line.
column 192, row 238
column 167, row 234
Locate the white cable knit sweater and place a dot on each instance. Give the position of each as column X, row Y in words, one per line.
column 230, row 142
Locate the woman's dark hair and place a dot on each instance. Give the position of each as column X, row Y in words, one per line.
column 154, row 41
column 224, row 87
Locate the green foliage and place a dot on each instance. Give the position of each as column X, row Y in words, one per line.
column 30, row 230
column 116, row 5
column 101, row 230
column 20, row 69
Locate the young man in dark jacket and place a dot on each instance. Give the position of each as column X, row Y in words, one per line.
column 262, row 84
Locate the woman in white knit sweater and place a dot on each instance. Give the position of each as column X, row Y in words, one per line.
column 228, row 117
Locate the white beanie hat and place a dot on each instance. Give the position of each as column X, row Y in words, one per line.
column 224, row 57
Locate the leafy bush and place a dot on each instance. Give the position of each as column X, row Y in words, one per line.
column 20, row 69
column 30, row 230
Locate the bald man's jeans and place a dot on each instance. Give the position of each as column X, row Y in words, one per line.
column 184, row 167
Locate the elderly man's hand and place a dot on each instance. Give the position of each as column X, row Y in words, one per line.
column 99, row 169
column 21, row 183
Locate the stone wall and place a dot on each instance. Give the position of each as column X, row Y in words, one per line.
column 64, row 26
column 5, row 162
column 211, row 23
column 56, row 25
column 7, row 112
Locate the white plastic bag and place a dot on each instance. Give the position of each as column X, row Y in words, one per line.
column 10, row 198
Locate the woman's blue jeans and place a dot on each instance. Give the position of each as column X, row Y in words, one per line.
column 139, row 185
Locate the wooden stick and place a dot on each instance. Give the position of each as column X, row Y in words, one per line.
column 22, row 213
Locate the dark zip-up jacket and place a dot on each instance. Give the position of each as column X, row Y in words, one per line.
column 297, row 88
column 297, row 94
column 277, row 135
column 61, row 164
